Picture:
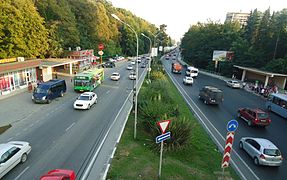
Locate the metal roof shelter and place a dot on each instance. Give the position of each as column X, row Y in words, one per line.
column 264, row 76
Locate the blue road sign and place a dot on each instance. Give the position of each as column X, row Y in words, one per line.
column 162, row 137
column 232, row 125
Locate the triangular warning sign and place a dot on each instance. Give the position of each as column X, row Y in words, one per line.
column 163, row 125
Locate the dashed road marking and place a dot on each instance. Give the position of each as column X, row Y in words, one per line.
column 22, row 173
column 68, row 128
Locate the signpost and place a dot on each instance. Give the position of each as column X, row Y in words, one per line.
column 231, row 128
column 101, row 46
column 159, row 139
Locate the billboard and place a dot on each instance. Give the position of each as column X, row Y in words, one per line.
column 222, row 55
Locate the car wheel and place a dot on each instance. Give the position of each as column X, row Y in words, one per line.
column 61, row 94
column 23, row 158
column 249, row 123
column 240, row 145
column 256, row 161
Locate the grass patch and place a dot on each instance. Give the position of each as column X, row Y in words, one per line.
column 135, row 159
column 4, row 128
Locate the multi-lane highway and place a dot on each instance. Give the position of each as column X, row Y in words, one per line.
column 214, row 119
column 62, row 137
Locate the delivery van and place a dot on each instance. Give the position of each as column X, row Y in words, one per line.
column 47, row 91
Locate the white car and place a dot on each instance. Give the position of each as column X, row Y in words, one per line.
column 115, row 76
column 112, row 60
column 187, row 80
column 132, row 76
column 233, row 84
column 86, row 100
column 262, row 151
column 133, row 62
column 130, row 67
column 11, row 154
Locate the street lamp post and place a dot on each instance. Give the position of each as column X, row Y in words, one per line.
column 135, row 87
column 149, row 54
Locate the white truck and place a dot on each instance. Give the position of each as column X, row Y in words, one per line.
column 191, row 71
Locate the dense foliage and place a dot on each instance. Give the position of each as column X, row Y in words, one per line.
column 156, row 103
column 262, row 43
column 48, row 28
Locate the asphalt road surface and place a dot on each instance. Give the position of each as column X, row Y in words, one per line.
column 214, row 119
column 60, row 136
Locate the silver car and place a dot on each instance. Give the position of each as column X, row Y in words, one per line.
column 11, row 154
column 233, row 84
column 262, row 151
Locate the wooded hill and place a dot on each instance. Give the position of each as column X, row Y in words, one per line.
column 48, row 28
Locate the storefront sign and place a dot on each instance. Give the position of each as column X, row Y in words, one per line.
column 2, row 61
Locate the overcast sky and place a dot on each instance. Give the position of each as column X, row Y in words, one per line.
column 179, row 15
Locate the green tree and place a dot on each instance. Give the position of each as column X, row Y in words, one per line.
column 22, row 30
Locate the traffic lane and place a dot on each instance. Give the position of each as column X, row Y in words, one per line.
column 229, row 109
column 220, row 115
column 213, row 132
column 57, row 129
column 235, row 98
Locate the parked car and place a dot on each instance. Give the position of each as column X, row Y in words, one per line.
column 11, row 154
column 211, row 95
column 130, row 67
column 47, row 91
column 86, row 100
column 187, row 80
column 262, row 151
column 115, row 76
column 133, row 62
column 109, row 65
column 254, row 116
column 233, row 84
column 59, row 174
column 112, row 60
column 132, row 75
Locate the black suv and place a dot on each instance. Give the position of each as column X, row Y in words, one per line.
column 211, row 95
column 109, row 65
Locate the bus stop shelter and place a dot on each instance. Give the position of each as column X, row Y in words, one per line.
column 263, row 76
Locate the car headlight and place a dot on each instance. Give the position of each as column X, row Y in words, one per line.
column 44, row 97
column 32, row 97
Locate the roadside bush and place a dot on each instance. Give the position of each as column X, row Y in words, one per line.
column 155, row 104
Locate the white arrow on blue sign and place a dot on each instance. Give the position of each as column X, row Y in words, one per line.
column 232, row 125
column 162, row 137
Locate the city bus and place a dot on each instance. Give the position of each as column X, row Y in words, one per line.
column 277, row 103
column 88, row 80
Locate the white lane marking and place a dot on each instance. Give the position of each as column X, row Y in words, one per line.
column 10, row 139
column 22, row 173
column 93, row 159
column 108, row 92
column 68, row 128
column 181, row 90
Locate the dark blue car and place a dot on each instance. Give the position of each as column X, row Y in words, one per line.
column 47, row 91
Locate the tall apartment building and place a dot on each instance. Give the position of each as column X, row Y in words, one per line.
column 237, row 16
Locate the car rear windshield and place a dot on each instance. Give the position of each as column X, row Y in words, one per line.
column 216, row 95
column 262, row 115
column 272, row 152
column 84, row 98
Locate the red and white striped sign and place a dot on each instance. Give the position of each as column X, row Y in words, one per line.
column 227, row 149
